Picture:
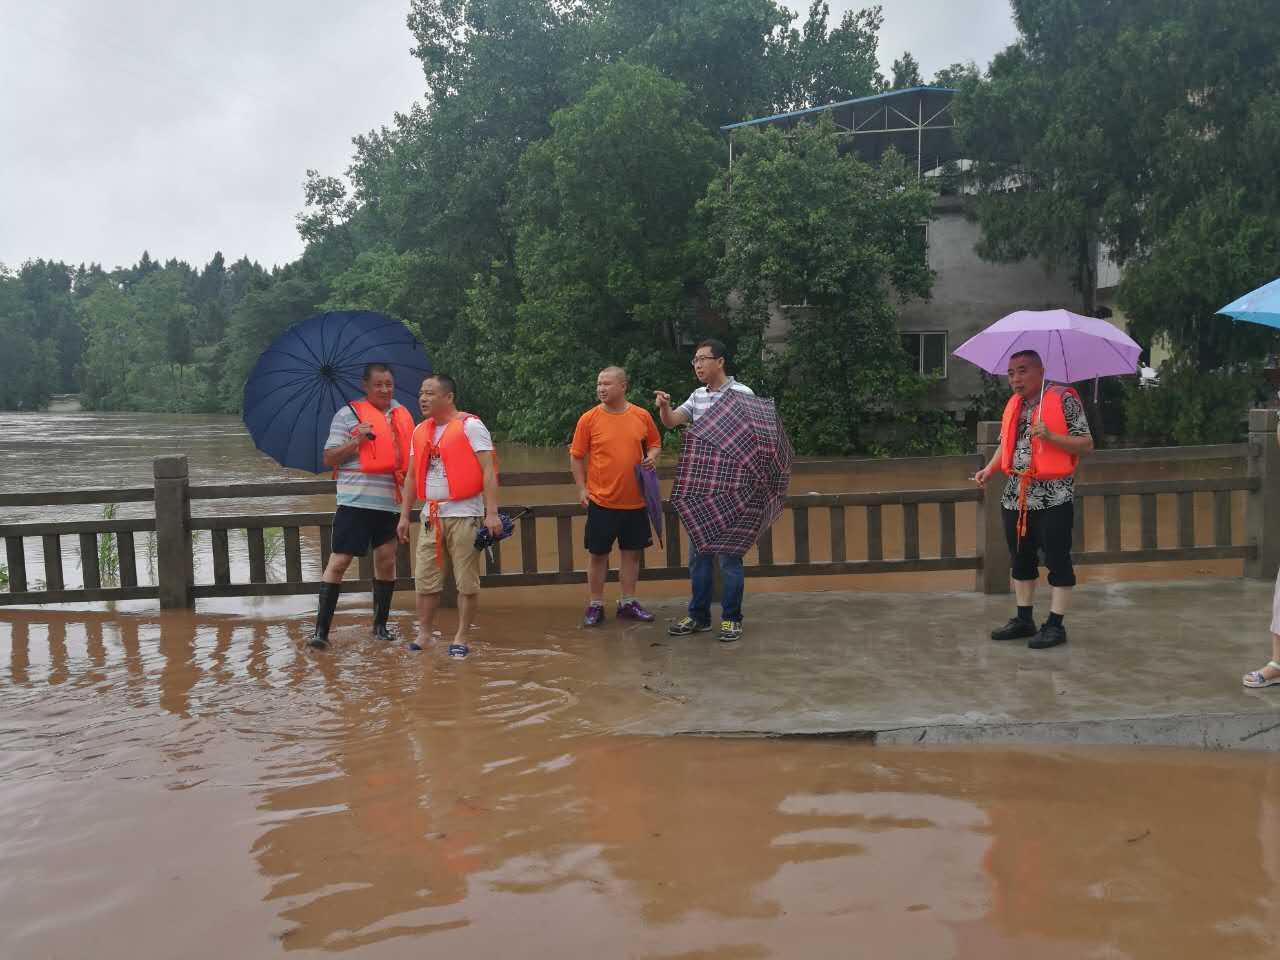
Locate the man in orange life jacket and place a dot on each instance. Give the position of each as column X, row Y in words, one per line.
column 453, row 469
column 368, row 448
column 1040, row 443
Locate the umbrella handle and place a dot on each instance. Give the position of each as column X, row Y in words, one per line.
column 1039, row 416
column 356, row 413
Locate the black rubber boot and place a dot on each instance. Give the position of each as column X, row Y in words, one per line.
column 382, row 591
column 324, row 615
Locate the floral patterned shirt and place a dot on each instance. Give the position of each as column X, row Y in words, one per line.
column 1042, row 494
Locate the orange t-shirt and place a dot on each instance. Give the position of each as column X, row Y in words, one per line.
column 612, row 444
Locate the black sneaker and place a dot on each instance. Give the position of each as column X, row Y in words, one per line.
column 318, row 642
column 1050, row 635
column 685, row 626
column 1015, row 629
column 730, row 630
column 382, row 631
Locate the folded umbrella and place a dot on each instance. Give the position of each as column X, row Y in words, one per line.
column 647, row 477
column 735, row 466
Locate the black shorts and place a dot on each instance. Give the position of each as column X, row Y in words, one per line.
column 1048, row 532
column 630, row 528
column 356, row 529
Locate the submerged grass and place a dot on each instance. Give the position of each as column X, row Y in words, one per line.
column 108, row 552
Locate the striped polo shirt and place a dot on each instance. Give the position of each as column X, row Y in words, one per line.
column 701, row 400
column 370, row 491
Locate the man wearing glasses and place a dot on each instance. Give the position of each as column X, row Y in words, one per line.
column 708, row 366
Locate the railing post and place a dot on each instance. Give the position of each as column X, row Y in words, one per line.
column 993, row 550
column 174, row 574
column 1262, row 515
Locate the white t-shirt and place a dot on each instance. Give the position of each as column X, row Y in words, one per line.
column 477, row 435
column 702, row 399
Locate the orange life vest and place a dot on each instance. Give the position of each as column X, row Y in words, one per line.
column 462, row 469
column 388, row 451
column 461, row 465
column 1048, row 461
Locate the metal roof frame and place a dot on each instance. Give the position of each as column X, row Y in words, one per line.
column 883, row 120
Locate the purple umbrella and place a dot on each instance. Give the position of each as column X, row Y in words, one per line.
column 648, row 480
column 1072, row 347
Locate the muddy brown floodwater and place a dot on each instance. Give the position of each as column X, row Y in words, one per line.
column 199, row 786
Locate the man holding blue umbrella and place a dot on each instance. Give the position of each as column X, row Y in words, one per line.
column 368, row 448
column 322, row 397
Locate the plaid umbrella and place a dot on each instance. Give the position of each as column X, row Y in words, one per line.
column 734, row 469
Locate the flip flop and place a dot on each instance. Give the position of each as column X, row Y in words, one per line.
column 459, row 651
column 1256, row 681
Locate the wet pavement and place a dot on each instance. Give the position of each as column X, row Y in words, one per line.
column 201, row 786
column 1146, row 663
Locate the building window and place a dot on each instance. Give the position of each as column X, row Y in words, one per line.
column 927, row 352
column 919, row 240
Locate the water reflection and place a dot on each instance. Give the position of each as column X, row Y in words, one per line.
column 401, row 804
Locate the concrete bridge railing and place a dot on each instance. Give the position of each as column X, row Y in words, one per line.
column 890, row 522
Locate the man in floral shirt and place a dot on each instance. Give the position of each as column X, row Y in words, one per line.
column 1043, row 434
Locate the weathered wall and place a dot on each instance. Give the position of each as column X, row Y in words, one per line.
column 970, row 293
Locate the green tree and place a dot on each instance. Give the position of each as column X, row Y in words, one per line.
column 46, row 287
column 29, row 369
column 602, row 256
column 956, row 74
column 830, row 241
column 731, row 55
column 110, row 336
column 270, row 307
column 139, row 351
column 818, row 65
column 906, row 73
column 1105, row 123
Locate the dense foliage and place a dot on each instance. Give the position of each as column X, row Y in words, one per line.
column 1146, row 131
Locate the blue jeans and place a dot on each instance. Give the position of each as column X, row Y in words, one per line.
column 732, row 582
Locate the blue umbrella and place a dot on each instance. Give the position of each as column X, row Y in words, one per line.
column 313, row 369
column 1260, row 306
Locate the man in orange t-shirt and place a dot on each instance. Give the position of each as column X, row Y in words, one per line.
column 608, row 443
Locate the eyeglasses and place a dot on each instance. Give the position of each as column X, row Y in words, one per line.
column 699, row 359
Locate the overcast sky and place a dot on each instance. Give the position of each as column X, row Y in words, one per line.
column 187, row 128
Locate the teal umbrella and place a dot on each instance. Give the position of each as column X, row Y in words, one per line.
column 1260, row 306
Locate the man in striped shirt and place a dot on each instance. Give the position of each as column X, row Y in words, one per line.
column 368, row 501
column 709, row 367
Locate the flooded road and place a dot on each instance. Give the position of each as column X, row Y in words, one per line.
column 200, row 787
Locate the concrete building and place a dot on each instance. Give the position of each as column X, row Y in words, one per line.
column 969, row 293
